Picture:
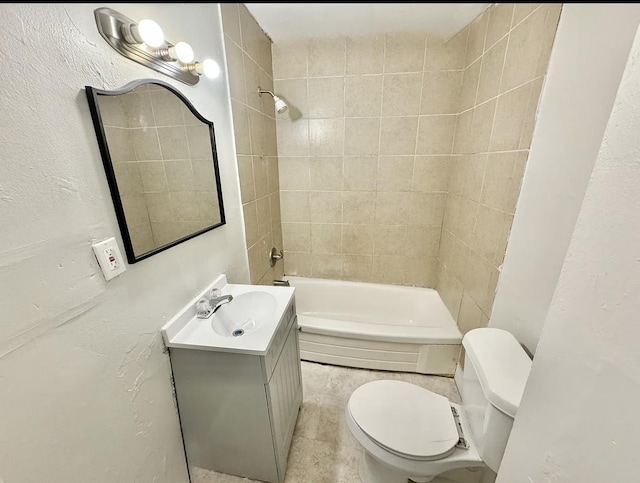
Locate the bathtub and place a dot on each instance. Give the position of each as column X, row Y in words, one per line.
column 375, row 326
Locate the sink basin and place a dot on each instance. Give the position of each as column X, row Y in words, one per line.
column 246, row 313
column 246, row 325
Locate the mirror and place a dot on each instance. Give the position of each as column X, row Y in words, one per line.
column 159, row 156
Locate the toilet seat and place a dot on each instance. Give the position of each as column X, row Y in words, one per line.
column 405, row 419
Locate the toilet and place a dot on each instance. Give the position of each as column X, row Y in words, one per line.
column 408, row 432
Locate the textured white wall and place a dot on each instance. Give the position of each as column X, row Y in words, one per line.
column 578, row 421
column 589, row 54
column 85, row 393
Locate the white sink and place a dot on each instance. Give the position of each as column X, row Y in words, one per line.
column 245, row 314
column 253, row 314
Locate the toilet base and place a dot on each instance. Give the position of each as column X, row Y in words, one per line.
column 371, row 470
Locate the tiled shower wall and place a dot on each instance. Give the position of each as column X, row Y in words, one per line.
column 249, row 65
column 364, row 154
column 506, row 60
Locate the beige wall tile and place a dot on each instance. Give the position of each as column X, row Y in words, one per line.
column 361, row 136
column 156, row 207
column 365, row 55
column 325, row 206
column 359, row 207
column 469, row 87
column 392, row 207
column 120, row 142
column 326, row 57
column 450, row 291
column 360, row 173
column 254, row 40
column 388, row 269
column 258, row 260
column 290, row 60
column 153, row 176
column 470, row 316
column 294, row 92
column 241, row 127
column 395, row 173
column 326, row 238
column 430, row 173
column 251, row 223
column 548, row 36
column 481, row 127
column 491, row 234
column 530, row 117
column 455, row 182
column 203, row 175
column 491, row 72
column 404, row 53
column 199, row 139
column 235, row 69
column 420, row 272
column 357, row 239
column 294, row 173
column 258, row 128
column 276, row 216
column 138, row 111
column 500, row 16
column 326, row 266
column 252, row 82
column 326, row 173
column 423, row 241
column 142, row 238
column 427, row 209
column 472, row 175
column 264, row 216
column 475, row 42
column 441, row 92
column 435, row 134
column 293, row 138
column 466, row 220
column 326, row 97
column 510, row 115
column 294, row 206
column 231, row 21
column 274, row 175
column 521, row 11
column 357, row 267
column 266, row 83
column 502, row 180
column 326, row 137
column 261, row 176
column 478, row 281
column 449, row 55
column 390, row 240
column 453, row 255
column 398, row 135
column 400, row 93
column 461, row 142
column 451, row 213
column 185, row 206
column 297, row 264
column 112, row 111
column 363, row 95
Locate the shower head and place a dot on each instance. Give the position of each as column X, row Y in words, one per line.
column 281, row 106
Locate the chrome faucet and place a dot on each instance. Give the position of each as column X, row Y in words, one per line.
column 206, row 307
column 217, row 302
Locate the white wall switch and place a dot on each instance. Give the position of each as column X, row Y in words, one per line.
column 109, row 258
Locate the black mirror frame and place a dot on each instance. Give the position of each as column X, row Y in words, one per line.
column 92, row 97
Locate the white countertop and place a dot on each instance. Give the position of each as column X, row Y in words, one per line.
column 186, row 331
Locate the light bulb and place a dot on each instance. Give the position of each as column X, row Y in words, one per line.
column 182, row 51
column 150, row 33
column 209, row 68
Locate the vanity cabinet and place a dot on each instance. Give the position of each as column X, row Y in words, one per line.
column 238, row 410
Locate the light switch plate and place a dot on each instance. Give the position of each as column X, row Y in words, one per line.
column 109, row 258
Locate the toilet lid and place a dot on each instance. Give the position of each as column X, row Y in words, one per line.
column 405, row 419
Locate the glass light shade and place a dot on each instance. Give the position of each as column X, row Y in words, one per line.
column 150, row 33
column 209, row 68
column 183, row 52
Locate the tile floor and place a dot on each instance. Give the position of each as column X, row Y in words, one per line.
column 323, row 450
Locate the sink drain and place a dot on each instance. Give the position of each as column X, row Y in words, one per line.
column 237, row 333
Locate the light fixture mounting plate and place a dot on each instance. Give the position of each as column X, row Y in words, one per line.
column 110, row 25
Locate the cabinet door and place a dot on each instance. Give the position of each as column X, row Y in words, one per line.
column 285, row 396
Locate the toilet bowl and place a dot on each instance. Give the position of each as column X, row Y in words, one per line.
column 408, row 432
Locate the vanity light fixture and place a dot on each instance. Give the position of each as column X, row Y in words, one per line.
column 144, row 42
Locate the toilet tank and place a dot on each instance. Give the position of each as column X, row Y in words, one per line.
column 496, row 369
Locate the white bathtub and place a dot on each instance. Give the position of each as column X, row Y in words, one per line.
column 375, row 326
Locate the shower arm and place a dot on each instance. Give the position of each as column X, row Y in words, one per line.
column 262, row 91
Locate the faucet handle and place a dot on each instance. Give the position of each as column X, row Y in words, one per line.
column 203, row 309
column 214, row 293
